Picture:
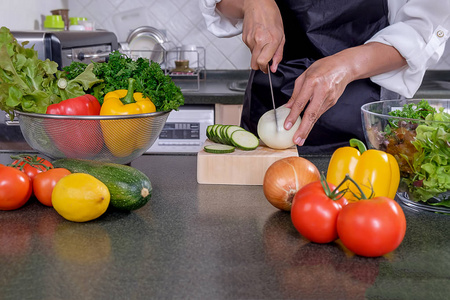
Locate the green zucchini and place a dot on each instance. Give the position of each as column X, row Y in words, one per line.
column 208, row 131
column 129, row 188
column 244, row 140
column 218, row 148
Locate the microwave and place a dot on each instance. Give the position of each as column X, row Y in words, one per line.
column 64, row 47
column 184, row 130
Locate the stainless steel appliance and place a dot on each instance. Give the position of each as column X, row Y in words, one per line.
column 185, row 130
column 63, row 47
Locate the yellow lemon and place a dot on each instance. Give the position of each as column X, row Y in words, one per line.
column 80, row 197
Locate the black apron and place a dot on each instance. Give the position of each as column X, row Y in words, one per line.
column 315, row 29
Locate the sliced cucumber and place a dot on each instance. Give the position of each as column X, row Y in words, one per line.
column 213, row 133
column 223, row 130
column 218, row 148
column 228, row 135
column 229, row 132
column 244, row 140
column 208, row 131
column 218, row 133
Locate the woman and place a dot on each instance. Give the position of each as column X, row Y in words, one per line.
column 330, row 57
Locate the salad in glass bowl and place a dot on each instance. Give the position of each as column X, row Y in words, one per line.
column 417, row 133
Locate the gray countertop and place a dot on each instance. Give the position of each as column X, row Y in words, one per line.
column 213, row 88
column 196, row 241
column 436, row 84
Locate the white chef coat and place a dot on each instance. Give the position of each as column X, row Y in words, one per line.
column 418, row 29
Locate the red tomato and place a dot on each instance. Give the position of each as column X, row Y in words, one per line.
column 15, row 188
column 314, row 213
column 31, row 165
column 44, row 183
column 372, row 227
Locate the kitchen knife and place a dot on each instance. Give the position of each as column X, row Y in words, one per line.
column 273, row 100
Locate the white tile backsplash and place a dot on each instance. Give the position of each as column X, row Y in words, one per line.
column 179, row 19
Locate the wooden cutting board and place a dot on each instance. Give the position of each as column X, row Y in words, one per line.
column 240, row 167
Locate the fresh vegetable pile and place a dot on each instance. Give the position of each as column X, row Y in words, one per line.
column 422, row 150
column 79, row 190
column 369, row 223
column 119, row 86
column 29, row 84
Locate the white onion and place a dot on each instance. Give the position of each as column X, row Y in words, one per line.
column 273, row 137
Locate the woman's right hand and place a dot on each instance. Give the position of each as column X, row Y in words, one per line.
column 263, row 33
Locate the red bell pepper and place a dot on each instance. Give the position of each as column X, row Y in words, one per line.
column 86, row 105
column 76, row 138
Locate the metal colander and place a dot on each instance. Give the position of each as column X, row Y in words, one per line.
column 118, row 139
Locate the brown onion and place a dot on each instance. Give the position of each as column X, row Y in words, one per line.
column 285, row 177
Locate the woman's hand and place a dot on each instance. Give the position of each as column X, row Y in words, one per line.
column 325, row 80
column 321, row 85
column 263, row 33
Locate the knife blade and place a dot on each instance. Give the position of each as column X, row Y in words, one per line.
column 273, row 99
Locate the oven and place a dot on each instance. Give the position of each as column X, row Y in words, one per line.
column 185, row 130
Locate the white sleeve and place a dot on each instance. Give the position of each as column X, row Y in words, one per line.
column 218, row 24
column 419, row 30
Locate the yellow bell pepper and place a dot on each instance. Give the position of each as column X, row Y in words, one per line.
column 124, row 136
column 376, row 172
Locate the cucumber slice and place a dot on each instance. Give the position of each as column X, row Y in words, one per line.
column 213, row 133
column 218, row 133
column 244, row 140
column 218, row 148
column 229, row 132
column 223, row 134
column 208, row 131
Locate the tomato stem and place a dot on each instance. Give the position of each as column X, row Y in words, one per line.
column 24, row 159
column 332, row 194
column 362, row 195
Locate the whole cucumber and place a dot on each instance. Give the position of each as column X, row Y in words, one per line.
column 130, row 189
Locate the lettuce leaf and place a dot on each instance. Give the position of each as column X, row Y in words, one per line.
column 29, row 84
column 432, row 159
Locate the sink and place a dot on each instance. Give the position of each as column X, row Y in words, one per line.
column 238, row 85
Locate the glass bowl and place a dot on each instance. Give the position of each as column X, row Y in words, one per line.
column 117, row 139
column 420, row 146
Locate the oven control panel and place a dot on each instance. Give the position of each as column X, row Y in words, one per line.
column 185, row 130
column 180, row 131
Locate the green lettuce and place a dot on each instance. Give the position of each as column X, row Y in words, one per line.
column 29, row 84
column 431, row 162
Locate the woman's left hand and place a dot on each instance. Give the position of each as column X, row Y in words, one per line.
column 325, row 80
column 321, row 85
